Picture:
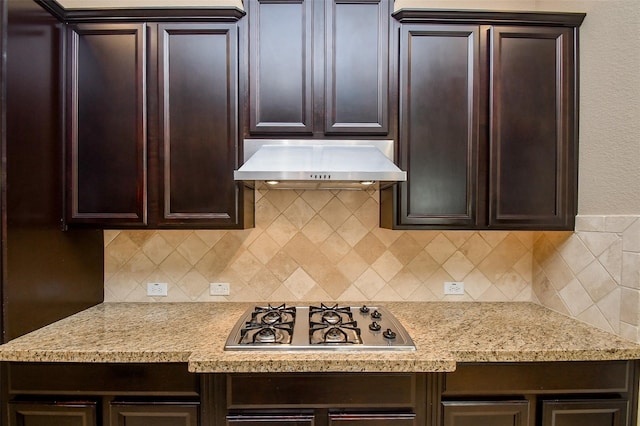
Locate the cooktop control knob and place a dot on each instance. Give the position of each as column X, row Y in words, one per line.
column 374, row 326
column 376, row 314
column 389, row 334
column 364, row 309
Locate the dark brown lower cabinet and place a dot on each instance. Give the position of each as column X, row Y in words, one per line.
column 585, row 413
column 485, row 413
column 288, row 420
column 160, row 414
column 52, row 413
column 394, row 419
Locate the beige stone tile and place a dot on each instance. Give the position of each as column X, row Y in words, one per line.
column 611, row 260
column 458, row 238
column 109, row 235
column 157, row 249
column 299, row 213
column 335, row 213
column 596, row 281
column 386, row 236
column 264, row 283
column 352, row 293
column 631, row 270
column 527, row 238
column 609, row 306
column 352, row 231
column 598, row 242
column 558, row 272
column 576, row 254
column 369, row 283
column 318, row 295
column 631, row 237
column 558, row 238
column 422, row 237
column 265, row 213
column 369, row 214
column 405, row 248
column 423, row 266
column 282, row 265
column 175, row 266
column 511, row 284
column 140, row 236
column 193, row 248
column 435, row 283
column 139, row 294
column 370, row 248
column 139, row 267
column 121, row 248
column 174, row 237
column 524, row 266
column 594, row 317
column 493, row 294
column 302, row 250
column 548, row 296
column 387, row 266
column 111, row 266
column 526, row 295
column 543, row 249
column 281, row 230
column 458, row 266
column 476, row 284
column 212, row 264
column 282, row 294
column 630, row 332
column 575, row 297
column 334, row 283
column 246, row 266
column 493, row 238
column 404, row 283
column 352, row 265
column 335, row 248
column 317, row 199
column 246, row 294
column 440, row 248
column 317, row 230
column 264, row 248
column 353, row 200
column 299, row 284
column 119, row 287
column 589, row 223
column 387, row 294
column 210, row 236
column 475, row 249
column 194, row 285
column 503, row 257
column 280, row 198
column 618, row 223
column 424, row 294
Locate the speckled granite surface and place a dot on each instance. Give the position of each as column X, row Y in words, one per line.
column 194, row 333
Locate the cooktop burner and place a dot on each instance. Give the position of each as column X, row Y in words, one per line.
column 324, row 327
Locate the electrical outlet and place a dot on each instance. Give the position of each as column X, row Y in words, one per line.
column 219, row 289
column 453, row 287
column 156, row 289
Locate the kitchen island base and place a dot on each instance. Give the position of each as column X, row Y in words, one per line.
column 581, row 393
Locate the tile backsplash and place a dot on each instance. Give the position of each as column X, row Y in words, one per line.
column 327, row 246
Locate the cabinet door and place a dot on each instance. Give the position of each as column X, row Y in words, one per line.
column 485, row 413
column 48, row 414
column 357, row 67
column 280, row 66
column 585, row 413
column 141, row 414
column 266, row 420
column 198, row 88
column 397, row 419
column 106, row 132
column 533, row 158
column 439, row 135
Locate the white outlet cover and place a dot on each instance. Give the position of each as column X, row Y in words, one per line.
column 156, row 289
column 219, row 289
column 454, row 287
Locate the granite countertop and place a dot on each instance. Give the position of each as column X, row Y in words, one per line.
column 194, row 333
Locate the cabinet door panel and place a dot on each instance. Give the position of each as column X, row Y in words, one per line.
column 280, row 64
column 107, row 132
column 258, row 420
column 532, row 157
column 439, row 110
column 585, row 413
column 168, row 414
column 198, row 98
column 485, row 413
column 398, row 419
column 357, row 67
column 58, row 414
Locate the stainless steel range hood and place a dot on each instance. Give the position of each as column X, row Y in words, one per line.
column 319, row 164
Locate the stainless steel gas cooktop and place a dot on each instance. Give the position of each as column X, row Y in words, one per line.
column 321, row 327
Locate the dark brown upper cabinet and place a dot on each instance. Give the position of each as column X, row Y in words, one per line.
column 153, row 128
column 318, row 67
column 488, row 129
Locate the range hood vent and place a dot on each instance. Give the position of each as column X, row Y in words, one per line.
column 319, row 164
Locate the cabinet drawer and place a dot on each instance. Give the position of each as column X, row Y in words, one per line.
column 594, row 412
column 321, row 390
column 47, row 413
column 540, row 378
